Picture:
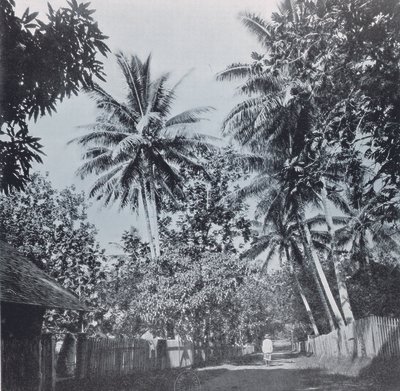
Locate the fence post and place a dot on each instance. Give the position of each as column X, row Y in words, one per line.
column 48, row 362
column 33, row 354
column 161, row 349
column 119, row 345
column 81, row 356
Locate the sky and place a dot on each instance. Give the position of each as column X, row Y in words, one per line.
column 182, row 35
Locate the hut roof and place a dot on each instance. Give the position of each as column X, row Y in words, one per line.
column 22, row 282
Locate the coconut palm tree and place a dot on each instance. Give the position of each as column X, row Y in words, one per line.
column 281, row 239
column 277, row 123
column 278, row 143
column 275, row 202
column 136, row 147
column 332, row 175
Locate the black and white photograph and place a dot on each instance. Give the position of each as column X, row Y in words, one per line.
column 200, row 195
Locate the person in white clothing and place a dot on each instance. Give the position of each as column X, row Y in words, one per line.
column 267, row 349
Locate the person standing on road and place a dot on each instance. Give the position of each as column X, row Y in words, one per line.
column 267, row 349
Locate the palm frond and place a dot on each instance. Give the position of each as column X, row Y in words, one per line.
column 320, row 236
column 274, row 208
column 386, row 242
column 132, row 172
column 321, row 246
column 129, row 145
column 234, row 71
column 173, row 194
column 261, row 84
column 174, row 156
column 256, row 25
column 146, row 75
column 320, row 219
column 343, row 236
column 255, row 120
column 161, row 97
column 341, row 203
column 105, row 101
column 241, row 109
column 256, row 187
column 186, row 143
column 132, row 73
column 172, row 176
column 100, row 138
column 96, row 165
column 101, row 182
column 91, row 153
column 129, row 197
column 270, row 131
column 189, row 116
column 296, row 252
column 271, row 198
column 340, row 220
column 259, row 246
column 179, row 82
column 105, row 124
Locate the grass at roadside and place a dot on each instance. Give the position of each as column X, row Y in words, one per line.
column 375, row 374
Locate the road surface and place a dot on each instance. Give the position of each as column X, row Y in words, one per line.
column 282, row 375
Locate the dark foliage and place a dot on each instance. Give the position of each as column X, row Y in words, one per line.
column 41, row 64
column 376, row 291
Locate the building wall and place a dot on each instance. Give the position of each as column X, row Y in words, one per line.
column 21, row 320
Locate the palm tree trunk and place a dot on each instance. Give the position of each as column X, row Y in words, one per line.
column 341, row 282
column 321, row 274
column 145, row 201
column 322, row 296
column 302, row 295
column 154, row 218
column 316, row 279
column 306, row 305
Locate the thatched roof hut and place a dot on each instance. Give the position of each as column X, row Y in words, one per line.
column 22, row 282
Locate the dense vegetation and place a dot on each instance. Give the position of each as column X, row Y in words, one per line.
column 314, row 147
column 51, row 228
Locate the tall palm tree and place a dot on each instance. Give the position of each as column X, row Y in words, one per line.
column 136, row 147
column 281, row 239
column 333, row 170
column 277, row 121
column 305, row 233
column 276, row 143
column 296, row 10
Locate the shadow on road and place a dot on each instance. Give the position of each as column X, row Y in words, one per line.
column 279, row 379
column 251, row 374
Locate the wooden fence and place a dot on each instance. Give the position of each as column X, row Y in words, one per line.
column 368, row 337
column 107, row 357
column 32, row 364
column 97, row 357
column 28, row 364
column 25, row 353
column 208, row 352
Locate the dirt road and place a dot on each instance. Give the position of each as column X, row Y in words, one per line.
column 282, row 375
